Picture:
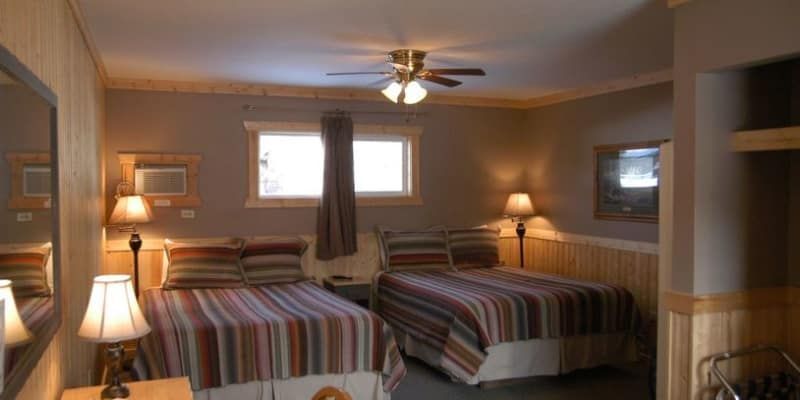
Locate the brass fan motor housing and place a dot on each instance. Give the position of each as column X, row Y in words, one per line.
column 412, row 59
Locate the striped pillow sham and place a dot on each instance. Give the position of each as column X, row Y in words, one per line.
column 474, row 247
column 414, row 250
column 204, row 264
column 25, row 268
column 277, row 260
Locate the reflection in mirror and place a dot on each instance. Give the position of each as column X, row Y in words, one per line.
column 26, row 226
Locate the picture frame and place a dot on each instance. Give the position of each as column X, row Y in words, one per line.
column 626, row 181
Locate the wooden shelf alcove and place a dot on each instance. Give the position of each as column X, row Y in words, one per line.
column 766, row 139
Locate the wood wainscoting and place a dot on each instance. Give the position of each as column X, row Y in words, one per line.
column 632, row 265
column 701, row 326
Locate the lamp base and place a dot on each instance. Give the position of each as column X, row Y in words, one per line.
column 521, row 235
column 116, row 390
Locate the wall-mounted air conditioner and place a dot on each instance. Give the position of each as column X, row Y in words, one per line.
column 36, row 181
column 160, row 180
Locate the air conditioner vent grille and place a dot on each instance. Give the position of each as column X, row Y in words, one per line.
column 36, row 180
column 154, row 180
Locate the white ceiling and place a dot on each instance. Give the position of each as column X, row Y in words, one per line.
column 527, row 47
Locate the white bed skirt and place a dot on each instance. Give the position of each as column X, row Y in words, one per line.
column 536, row 357
column 360, row 385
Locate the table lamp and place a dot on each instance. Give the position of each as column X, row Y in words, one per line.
column 130, row 210
column 16, row 333
column 113, row 316
column 518, row 207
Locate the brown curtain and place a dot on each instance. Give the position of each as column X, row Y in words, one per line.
column 336, row 223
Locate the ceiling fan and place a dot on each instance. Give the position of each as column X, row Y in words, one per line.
column 407, row 67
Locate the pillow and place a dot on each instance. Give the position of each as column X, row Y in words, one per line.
column 25, row 268
column 198, row 264
column 275, row 260
column 474, row 247
column 414, row 250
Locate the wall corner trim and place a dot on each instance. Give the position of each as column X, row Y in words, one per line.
column 86, row 33
column 689, row 304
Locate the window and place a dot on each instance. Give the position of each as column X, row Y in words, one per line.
column 287, row 164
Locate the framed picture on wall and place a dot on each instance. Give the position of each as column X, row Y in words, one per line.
column 626, row 181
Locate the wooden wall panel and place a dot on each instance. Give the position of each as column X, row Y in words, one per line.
column 793, row 323
column 701, row 326
column 679, row 328
column 43, row 34
column 634, row 270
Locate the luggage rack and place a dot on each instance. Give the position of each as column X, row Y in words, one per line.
column 787, row 385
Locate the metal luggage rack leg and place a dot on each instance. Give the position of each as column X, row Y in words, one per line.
column 728, row 386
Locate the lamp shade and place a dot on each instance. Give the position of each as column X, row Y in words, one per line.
column 414, row 93
column 113, row 315
column 130, row 210
column 519, row 205
column 16, row 332
column 392, row 92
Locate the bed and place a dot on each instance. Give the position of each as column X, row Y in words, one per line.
column 482, row 325
column 35, row 312
column 264, row 341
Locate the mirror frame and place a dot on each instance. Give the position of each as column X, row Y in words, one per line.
column 22, row 370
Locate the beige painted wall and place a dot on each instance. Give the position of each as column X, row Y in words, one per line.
column 25, row 126
column 43, row 35
column 470, row 158
column 741, row 209
column 559, row 155
column 711, row 35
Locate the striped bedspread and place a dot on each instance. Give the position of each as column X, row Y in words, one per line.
column 460, row 314
column 218, row 337
column 35, row 312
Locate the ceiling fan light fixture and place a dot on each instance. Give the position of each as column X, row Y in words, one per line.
column 392, row 92
column 414, row 93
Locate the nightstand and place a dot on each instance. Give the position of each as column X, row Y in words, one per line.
column 356, row 290
column 162, row 389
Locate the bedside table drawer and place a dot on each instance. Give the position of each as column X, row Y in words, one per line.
column 354, row 292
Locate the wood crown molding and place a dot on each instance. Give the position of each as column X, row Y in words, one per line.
column 617, row 85
column 688, row 304
column 77, row 14
column 295, row 91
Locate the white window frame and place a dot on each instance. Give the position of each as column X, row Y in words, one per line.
column 411, row 134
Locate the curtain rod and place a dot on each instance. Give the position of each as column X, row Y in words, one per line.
column 413, row 114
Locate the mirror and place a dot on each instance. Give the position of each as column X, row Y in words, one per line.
column 29, row 277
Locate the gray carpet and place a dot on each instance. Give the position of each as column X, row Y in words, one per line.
column 618, row 383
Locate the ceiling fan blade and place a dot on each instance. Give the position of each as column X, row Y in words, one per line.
column 439, row 79
column 382, row 81
column 358, row 73
column 458, row 71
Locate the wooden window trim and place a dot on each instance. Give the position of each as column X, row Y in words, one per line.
column 128, row 162
column 254, row 128
column 17, row 199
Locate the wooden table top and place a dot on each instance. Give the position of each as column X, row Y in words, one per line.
column 162, row 389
